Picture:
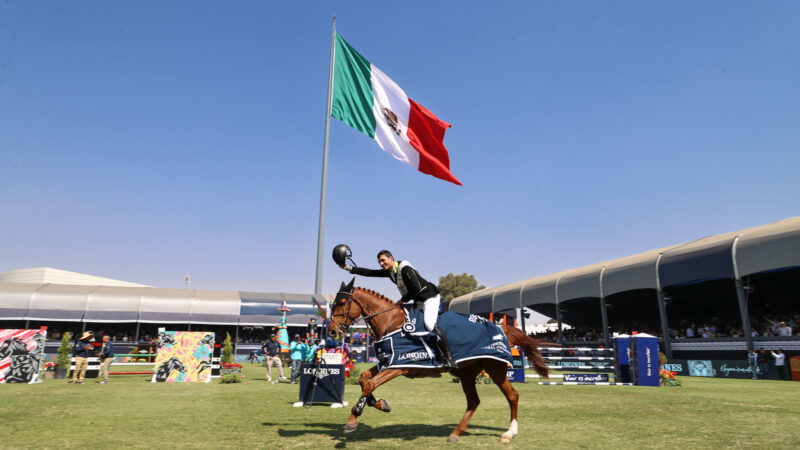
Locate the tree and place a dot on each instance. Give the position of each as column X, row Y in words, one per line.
column 227, row 350
column 452, row 286
column 63, row 360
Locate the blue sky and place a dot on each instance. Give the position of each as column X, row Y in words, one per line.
column 148, row 140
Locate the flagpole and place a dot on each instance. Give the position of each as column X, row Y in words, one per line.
column 323, row 192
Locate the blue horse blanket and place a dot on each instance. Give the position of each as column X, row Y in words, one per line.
column 469, row 337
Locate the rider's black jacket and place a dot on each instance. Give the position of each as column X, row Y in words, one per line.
column 419, row 289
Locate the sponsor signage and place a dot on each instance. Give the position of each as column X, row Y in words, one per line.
column 587, row 377
column 330, row 383
column 415, row 356
column 516, row 375
column 718, row 368
column 645, row 359
column 568, row 364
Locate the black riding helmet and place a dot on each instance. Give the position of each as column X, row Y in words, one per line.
column 340, row 254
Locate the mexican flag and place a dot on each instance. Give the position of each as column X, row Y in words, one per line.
column 369, row 101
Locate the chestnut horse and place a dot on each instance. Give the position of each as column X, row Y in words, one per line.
column 384, row 316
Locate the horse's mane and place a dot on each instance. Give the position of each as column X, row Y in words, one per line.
column 377, row 295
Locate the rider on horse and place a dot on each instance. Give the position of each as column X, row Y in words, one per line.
column 416, row 291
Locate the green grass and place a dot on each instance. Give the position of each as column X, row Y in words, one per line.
column 132, row 412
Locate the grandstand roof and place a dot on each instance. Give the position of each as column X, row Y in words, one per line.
column 735, row 254
column 46, row 294
column 57, row 276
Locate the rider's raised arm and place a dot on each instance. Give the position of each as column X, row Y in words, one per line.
column 369, row 272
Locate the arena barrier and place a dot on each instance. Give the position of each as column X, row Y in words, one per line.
column 632, row 361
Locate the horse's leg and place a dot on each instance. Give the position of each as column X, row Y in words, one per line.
column 499, row 374
column 370, row 385
column 380, row 405
column 467, row 376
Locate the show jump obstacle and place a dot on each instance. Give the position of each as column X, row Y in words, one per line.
column 632, row 361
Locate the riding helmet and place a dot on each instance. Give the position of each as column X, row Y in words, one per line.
column 340, row 254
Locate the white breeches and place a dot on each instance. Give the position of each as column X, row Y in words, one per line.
column 430, row 311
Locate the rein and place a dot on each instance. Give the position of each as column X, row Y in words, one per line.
column 352, row 298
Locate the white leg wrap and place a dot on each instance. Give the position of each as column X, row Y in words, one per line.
column 512, row 430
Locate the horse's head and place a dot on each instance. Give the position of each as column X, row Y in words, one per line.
column 207, row 340
column 13, row 347
column 344, row 311
column 176, row 364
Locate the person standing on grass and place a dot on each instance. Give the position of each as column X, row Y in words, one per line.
column 763, row 363
column 106, row 356
column 780, row 364
column 311, row 353
column 81, row 351
column 273, row 357
column 752, row 358
column 297, row 350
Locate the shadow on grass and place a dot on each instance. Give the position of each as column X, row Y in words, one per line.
column 365, row 433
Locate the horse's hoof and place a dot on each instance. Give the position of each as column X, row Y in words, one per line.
column 505, row 440
column 452, row 439
column 350, row 427
column 385, row 407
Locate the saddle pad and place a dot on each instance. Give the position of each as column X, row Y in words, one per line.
column 469, row 337
column 403, row 350
column 472, row 337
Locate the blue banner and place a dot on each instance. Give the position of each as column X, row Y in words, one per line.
column 645, row 360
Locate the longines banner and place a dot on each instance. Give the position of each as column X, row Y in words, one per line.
column 718, row 368
column 330, row 383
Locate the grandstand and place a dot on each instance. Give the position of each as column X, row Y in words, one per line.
column 725, row 287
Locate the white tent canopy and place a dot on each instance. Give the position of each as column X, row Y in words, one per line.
column 121, row 304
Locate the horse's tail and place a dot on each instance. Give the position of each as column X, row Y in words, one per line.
column 529, row 346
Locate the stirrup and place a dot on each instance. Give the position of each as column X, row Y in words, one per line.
column 447, row 359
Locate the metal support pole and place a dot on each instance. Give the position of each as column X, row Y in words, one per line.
column 604, row 310
column 662, row 311
column 522, row 323
column 558, row 313
column 742, row 298
column 560, row 331
column 323, row 191
column 604, row 317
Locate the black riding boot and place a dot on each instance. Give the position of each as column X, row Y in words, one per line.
column 447, row 357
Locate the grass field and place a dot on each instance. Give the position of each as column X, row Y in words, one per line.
column 131, row 412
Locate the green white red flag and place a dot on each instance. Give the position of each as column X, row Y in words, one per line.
column 369, row 101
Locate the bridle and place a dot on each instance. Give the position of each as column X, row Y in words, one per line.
column 351, row 298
